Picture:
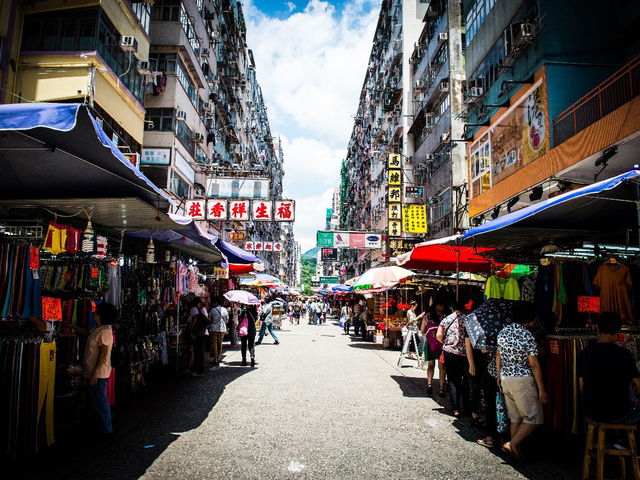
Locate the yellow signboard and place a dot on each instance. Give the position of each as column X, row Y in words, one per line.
column 414, row 218
column 395, row 228
column 394, row 211
column 395, row 194
column 395, row 177
column 395, row 161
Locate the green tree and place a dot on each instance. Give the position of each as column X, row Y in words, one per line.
column 308, row 270
column 307, row 290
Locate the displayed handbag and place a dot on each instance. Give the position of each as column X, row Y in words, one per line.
column 501, row 412
column 243, row 329
column 434, row 345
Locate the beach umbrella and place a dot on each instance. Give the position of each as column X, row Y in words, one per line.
column 242, row 296
column 381, row 277
column 486, row 321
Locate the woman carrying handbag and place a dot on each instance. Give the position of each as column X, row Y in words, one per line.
column 433, row 348
column 247, row 333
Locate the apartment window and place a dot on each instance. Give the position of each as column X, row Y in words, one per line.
column 122, row 63
column 163, row 119
column 163, row 62
column 481, row 169
column 73, row 30
column 444, row 106
column 179, row 186
column 476, row 16
column 441, row 205
column 166, row 10
column 185, row 135
column 142, row 11
column 187, row 84
column 189, row 29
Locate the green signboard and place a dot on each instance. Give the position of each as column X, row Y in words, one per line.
column 325, row 239
column 329, row 280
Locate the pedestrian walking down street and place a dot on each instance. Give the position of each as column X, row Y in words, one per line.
column 199, row 333
column 267, row 322
column 325, row 310
column 432, row 348
column 97, row 365
column 452, row 333
column 219, row 318
column 247, row 333
column 357, row 311
column 520, row 376
column 316, row 311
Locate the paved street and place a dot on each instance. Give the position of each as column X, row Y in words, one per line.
column 319, row 405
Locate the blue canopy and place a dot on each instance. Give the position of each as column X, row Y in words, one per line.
column 605, row 209
column 235, row 254
column 58, row 150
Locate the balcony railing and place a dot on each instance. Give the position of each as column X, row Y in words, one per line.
column 614, row 92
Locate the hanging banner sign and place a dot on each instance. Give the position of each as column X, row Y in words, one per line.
column 277, row 247
column 217, row 210
column 239, row 210
column 284, row 211
column 51, row 309
column 261, row 210
column 257, row 246
column 395, row 177
column 236, row 236
column 414, row 218
column 196, row 209
column 395, row 160
column 348, row 239
column 395, row 213
column 395, row 194
column 267, row 247
column 248, row 246
column 395, row 228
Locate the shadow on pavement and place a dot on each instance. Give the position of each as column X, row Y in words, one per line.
column 143, row 430
column 411, row 387
column 366, row 345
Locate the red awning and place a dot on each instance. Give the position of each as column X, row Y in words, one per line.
column 239, row 268
column 451, row 258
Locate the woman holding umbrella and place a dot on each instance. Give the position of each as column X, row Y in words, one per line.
column 246, row 322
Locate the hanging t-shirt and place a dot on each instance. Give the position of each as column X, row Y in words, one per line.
column 614, row 282
column 504, row 288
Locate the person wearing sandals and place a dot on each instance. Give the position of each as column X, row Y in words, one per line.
column 452, row 333
column 432, row 347
column 489, row 381
column 520, row 375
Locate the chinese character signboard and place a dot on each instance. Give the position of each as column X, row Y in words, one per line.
column 248, row 246
column 239, row 210
column 395, row 194
column 414, row 218
column 277, row 247
column 236, row 236
column 395, row 177
column 267, row 246
column 217, row 209
column 257, row 246
column 395, row 228
column 221, row 272
column 261, row 210
column 196, row 209
column 51, row 309
column 284, row 211
column 588, row 304
column 329, row 254
column 394, row 211
column 395, row 161
column 400, row 246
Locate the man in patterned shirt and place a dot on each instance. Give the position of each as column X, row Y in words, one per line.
column 520, row 376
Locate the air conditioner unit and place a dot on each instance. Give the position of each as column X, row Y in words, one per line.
column 444, row 86
column 143, row 68
column 445, row 138
column 443, row 37
column 181, row 115
column 128, row 43
column 476, row 91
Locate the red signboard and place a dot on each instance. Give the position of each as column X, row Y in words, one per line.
column 51, row 309
column 589, row 304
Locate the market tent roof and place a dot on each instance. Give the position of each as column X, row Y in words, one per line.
column 235, row 254
column 187, row 236
column 604, row 210
column 58, row 150
column 450, row 258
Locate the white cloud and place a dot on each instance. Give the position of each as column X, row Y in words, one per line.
column 291, row 6
column 311, row 66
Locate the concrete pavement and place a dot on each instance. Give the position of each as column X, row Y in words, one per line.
column 318, row 406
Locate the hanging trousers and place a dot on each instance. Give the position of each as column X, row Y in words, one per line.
column 46, row 388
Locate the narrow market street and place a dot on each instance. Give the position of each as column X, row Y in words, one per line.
column 319, row 405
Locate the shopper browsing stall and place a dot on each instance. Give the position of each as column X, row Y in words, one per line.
column 605, row 372
column 432, row 346
column 219, row 318
column 451, row 333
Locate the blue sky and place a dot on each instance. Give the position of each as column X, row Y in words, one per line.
column 311, row 57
